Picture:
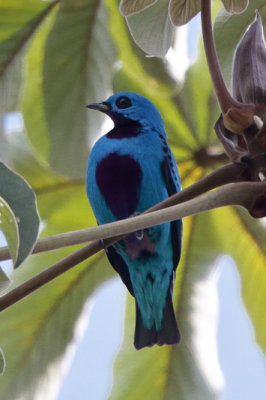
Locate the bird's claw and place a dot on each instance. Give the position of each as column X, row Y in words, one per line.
column 138, row 234
column 102, row 244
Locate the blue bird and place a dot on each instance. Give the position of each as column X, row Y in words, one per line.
column 130, row 169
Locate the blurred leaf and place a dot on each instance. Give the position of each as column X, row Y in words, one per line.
column 152, row 29
column 246, row 244
column 198, row 107
column 42, row 326
column 229, row 29
column 69, row 64
column 18, row 23
column 21, row 199
column 9, row 227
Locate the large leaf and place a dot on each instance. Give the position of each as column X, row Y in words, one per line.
column 21, row 199
column 18, row 23
column 152, row 29
column 246, row 244
column 69, row 65
column 229, row 29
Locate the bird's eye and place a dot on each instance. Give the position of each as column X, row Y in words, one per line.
column 123, row 102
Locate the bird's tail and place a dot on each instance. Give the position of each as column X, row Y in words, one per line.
column 168, row 334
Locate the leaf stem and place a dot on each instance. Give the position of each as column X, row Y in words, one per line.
column 224, row 98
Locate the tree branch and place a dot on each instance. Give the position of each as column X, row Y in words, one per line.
column 226, row 174
column 247, row 194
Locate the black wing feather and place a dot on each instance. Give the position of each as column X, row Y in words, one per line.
column 176, row 226
column 120, row 266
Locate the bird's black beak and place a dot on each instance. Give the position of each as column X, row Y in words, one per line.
column 104, row 107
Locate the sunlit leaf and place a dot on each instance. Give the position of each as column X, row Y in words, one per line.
column 246, row 244
column 152, row 29
column 71, row 60
column 128, row 7
column 149, row 75
column 21, row 199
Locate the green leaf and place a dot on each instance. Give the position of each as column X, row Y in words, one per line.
column 182, row 11
column 128, row 7
column 246, row 244
column 9, row 227
column 229, row 29
column 18, row 24
column 235, row 6
column 21, row 199
column 152, row 29
column 70, row 64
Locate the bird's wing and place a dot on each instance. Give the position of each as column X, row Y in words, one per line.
column 172, row 182
column 120, row 266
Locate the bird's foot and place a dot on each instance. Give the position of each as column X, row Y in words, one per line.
column 102, row 244
column 138, row 234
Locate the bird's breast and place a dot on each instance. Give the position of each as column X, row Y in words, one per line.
column 119, row 180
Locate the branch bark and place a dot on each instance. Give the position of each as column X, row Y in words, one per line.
column 246, row 194
column 226, row 174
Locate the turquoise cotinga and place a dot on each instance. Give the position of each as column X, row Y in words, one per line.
column 130, row 169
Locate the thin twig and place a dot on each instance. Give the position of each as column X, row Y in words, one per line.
column 242, row 194
column 226, row 174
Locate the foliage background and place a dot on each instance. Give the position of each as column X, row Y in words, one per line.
column 55, row 57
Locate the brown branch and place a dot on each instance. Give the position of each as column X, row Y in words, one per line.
column 248, row 194
column 226, row 174
column 48, row 275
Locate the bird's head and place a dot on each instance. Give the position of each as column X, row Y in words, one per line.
column 125, row 107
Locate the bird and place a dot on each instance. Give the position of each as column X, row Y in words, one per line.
column 130, row 169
